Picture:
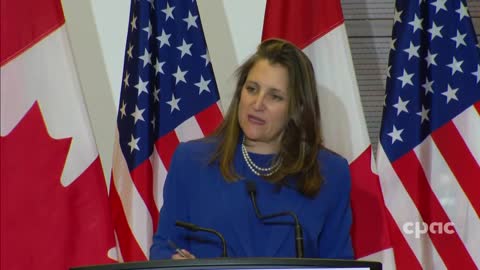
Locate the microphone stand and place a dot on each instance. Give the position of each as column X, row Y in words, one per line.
column 298, row 228
column 195, row 228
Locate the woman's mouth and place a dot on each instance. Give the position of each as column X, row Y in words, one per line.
column 255, row 120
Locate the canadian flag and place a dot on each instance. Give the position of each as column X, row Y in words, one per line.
column 54, row 207
column 317, row 27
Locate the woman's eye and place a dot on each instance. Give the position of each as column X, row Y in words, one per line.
column 277, row 97
column 250, row 88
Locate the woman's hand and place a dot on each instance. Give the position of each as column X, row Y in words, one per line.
column 182, row 254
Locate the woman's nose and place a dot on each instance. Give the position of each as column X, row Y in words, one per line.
column 259, row 102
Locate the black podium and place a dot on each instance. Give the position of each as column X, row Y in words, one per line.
column 241, row 263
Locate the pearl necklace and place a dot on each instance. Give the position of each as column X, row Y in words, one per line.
column 260, row 171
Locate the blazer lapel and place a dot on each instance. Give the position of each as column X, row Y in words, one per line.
column 233, row 198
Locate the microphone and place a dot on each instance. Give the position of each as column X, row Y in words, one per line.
column 195, row 228
column 252, row 191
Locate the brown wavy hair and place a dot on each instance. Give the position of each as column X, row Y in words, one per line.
column 301, row 140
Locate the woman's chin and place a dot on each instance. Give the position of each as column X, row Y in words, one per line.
column 252, row 136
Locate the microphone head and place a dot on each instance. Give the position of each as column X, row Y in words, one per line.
column 186, row 225
column 251, row 187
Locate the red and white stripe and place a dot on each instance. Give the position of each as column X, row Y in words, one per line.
column 438, row 182
column 318, row 28
column 136, row 196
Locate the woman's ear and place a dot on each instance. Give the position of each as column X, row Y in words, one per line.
column 301, row 109
column 296, row 117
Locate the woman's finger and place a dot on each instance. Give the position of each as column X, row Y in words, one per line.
column 182, row 254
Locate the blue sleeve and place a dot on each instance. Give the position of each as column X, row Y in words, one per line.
column 334, row 240
column 174, row 208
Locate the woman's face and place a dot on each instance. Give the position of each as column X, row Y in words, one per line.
column 263, row 107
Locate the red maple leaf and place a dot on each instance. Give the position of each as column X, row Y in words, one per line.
column 45, row 225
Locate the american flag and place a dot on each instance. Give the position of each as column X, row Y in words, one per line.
column 429, row 153
column 168, row 95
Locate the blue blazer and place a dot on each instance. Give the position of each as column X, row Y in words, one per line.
column 196, row 192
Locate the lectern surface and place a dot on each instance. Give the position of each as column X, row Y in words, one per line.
column 241, row 264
